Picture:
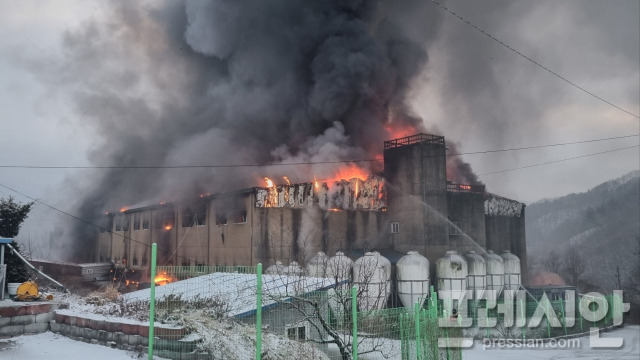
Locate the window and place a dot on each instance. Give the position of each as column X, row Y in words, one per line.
column 455, row 228
column 201, row 215
column 221, row 219
column 125, row 222
column 136, row 221
column 164, row 220
column 145, row 221
column 238, row 217
column 296, row 332
column 194, row 216
column 118, row 224
column 187, row 217
column 395, row 227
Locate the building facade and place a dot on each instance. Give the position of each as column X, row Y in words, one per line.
column 411, row 207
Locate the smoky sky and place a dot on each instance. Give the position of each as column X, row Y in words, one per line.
column 238, row 82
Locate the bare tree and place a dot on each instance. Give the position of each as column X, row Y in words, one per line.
column 552, row 262
column 329, row 313
column 573, row 266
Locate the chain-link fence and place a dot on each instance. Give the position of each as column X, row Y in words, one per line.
column 238, row 313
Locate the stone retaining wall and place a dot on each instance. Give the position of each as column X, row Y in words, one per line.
column 28, row 318
column 169, row 342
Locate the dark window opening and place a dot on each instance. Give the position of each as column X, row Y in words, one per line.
column 238, row 217
column 136, row 221
column 164, row 220
column 145, row 221
column 125, row 222
column 221, row 219
column 395, row 227
column 187, row 217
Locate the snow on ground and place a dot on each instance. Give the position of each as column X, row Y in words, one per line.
column 237, row 291
column 50, row 346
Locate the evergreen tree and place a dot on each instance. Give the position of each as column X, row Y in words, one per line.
column 12, row 215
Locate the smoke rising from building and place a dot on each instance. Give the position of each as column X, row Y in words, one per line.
column 239, row 82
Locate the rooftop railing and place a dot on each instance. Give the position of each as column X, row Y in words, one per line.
column 414, row 139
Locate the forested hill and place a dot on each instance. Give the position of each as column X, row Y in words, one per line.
column 602, row 225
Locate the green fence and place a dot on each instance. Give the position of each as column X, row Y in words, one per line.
column 232, row 313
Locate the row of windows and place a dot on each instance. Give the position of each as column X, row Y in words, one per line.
column 455, row 228
column 166, row 220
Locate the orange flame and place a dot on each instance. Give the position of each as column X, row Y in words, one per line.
column 168, row 227
column 287, row 180
column 123, row 209
column 349, row 172
column 269, row 182
column 397, row 131
column 163, row 279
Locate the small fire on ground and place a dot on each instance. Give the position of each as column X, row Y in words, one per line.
column 163, row 279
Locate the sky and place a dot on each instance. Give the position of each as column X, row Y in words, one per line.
column 82, row 84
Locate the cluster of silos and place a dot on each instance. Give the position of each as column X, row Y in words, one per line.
column 478, row 273
column 371, row 274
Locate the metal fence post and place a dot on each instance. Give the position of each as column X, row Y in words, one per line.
column 354, row 319
column 259, row 314
column 416, row 318
column 152, row 301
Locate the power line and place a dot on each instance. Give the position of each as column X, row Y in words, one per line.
column 81, row 219
column 530, row 59
column 561, row 160
column 305, row 162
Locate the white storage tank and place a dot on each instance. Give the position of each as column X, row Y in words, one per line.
column 339, row 267
column 512, row 280
column 317, row 265
column 495, row 272
column 294, row 269
column 413, row 279
column 477, row 273
column 451, row 272
column 372, row 276
column 276, row 269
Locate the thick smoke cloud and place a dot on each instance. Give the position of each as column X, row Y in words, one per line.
column 238, row 82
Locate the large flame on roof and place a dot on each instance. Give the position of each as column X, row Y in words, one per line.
column 396, row 132
column 350, row 171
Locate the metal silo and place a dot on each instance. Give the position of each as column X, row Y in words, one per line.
column 451, row 275
column 317, row 265
column 512, row 279
column 413, row 279
column 339, row 267
column 451, row 272
column 372, row 276
column 276, row 269
column 477, row 276
column 495, row 272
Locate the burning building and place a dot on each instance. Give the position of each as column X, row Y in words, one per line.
column 411, row 206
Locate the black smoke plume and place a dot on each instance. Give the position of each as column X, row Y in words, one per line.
column 237, row 82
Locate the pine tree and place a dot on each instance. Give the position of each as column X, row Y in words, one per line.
column 12, row 215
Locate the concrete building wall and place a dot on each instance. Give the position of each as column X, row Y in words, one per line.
column 466, row 213
column 415, row 171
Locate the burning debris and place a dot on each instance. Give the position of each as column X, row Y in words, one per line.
column 353, row 194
